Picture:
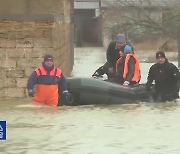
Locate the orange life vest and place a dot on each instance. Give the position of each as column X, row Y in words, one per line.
column 136, row 76
column 46, row 90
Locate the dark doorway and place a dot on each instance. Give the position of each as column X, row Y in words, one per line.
column 92, row 32
column 87, row 28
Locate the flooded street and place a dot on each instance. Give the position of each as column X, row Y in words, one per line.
column 144, row 128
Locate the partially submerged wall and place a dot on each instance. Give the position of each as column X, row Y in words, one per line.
column 28, row 31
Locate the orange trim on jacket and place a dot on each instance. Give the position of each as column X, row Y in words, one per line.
column 136, row 76
column 47, row 93
column 44, row 72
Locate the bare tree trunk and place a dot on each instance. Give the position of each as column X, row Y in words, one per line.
column 178, row 44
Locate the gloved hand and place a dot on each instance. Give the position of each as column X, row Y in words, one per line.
column 95, row 75
column 31, row 92
column 126, row 83
column 68, row 97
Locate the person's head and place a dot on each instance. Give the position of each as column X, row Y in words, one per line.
column 160, row 57
column 120, row 41
column 126, row 50
column 48, row 60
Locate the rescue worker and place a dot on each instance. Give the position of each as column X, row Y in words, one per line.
column 166, row 77
column 127, row 67
column 112, row 55
column 50, row 84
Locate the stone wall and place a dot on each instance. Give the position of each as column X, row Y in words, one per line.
column 40, row 27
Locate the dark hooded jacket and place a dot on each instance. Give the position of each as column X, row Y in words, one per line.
column 112, row 54
column 166, row 77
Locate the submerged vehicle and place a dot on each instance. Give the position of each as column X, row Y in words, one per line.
column 86, row 91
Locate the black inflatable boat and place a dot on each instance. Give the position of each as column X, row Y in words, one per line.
column 87, row 91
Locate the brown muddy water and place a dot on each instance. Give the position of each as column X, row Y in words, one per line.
column 144, row 128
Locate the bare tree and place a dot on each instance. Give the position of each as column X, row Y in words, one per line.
column 143, row 19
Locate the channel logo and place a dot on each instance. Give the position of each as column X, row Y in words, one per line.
column 2, row 130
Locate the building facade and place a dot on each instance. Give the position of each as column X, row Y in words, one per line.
column 28, row 31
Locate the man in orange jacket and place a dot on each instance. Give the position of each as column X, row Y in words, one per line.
column 50, row 84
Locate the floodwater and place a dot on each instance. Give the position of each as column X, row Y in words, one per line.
column 144, row 128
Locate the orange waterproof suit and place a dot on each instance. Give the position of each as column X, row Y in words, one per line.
column 46, row 90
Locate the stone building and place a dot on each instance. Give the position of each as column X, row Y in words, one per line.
column 29, row 29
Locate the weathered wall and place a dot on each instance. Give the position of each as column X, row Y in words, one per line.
column 32, row 6
column 28, row 31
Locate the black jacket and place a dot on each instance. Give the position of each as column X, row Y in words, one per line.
column 166, row 77
column 112, row 54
